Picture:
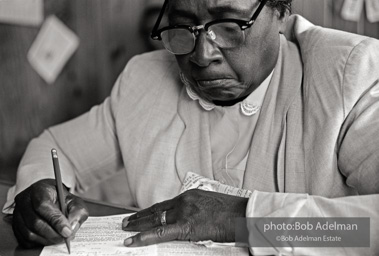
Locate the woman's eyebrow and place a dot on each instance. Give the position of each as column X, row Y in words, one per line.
column 217, row 10
column 176, row 13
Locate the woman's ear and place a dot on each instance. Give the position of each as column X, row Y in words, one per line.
column 282, row 20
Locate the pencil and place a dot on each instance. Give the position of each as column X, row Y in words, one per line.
column 58, row 180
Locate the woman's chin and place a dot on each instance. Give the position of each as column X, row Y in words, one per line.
column 222, row 98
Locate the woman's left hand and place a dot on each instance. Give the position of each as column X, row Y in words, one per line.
column 194, row 215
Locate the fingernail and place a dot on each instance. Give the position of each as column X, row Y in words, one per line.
column 128, row 241
column 75, row 226
column 124, row 223
column 66, row 232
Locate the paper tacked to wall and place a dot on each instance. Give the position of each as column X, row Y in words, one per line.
column 52, row 48
column 352, row 10
column 372, row 10
column 21, row 12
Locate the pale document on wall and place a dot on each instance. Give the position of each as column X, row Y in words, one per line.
column 52, row 48
column 352, row 10
column 104, row 236
column 372, row 10
column 21, row 12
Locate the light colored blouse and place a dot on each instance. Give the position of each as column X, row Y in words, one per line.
column 231, row 131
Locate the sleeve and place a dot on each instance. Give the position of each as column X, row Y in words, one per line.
column 358, row 145
column 87, row 147
column 357, row 156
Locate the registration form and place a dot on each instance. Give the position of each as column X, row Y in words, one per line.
column 104, row 236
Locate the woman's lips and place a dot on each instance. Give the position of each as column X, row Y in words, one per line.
column 213, row 83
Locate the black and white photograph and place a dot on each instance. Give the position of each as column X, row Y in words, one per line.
column 189, row 127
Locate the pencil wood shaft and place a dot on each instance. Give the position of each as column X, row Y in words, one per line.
column 59, row 185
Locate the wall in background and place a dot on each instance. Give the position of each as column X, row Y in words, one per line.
column 327, row 13
column 28, row 105
column 108, row 32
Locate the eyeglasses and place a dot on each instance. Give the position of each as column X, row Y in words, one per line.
column 181, row 39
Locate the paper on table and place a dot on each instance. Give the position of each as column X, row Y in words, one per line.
column 195, row 181
column 21, row 12
column 99, row 236
column 104, row 236
column 52, row 48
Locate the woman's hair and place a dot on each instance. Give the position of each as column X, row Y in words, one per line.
column 281, row 5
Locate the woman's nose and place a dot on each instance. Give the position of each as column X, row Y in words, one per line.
column 206, row 51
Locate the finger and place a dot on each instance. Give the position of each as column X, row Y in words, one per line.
column 41, row 228
column 159, row 207
column 157, row 235
column 142, row 223
column 23, row 242
column 53, row 216
column 38, row 226
column 30, row 227
column 24, row 235
column 148, row 222
column 77, row 212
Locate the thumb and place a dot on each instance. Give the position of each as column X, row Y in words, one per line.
column 55, row 218
column 43, row 196
column 77, row 212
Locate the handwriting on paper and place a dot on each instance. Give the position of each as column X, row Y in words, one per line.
column 104, row 236
column 99, row 236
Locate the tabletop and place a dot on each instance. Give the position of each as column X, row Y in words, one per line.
column 8, row 242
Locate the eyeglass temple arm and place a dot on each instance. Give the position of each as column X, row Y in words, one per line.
column 158, row 22
column 256, row 13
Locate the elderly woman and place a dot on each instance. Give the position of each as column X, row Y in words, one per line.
column 246, row 96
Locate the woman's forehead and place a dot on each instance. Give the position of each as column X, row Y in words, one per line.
column 197, row 5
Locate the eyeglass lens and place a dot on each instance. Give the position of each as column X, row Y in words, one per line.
column 178, row 40
column 182, row 41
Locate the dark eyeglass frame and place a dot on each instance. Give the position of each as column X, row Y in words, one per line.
column 243, row 24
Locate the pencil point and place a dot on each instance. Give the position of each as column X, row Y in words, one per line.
column 68, row 245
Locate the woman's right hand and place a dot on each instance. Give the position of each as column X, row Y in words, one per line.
column 38, row 220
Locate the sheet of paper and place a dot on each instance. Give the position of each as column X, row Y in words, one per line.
column 372, row 10
column 52, row 48
column 352, row 10
column 195, row 181
column 188, row 249
column 104, row 236
column 21, row 12
column 99, row 236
